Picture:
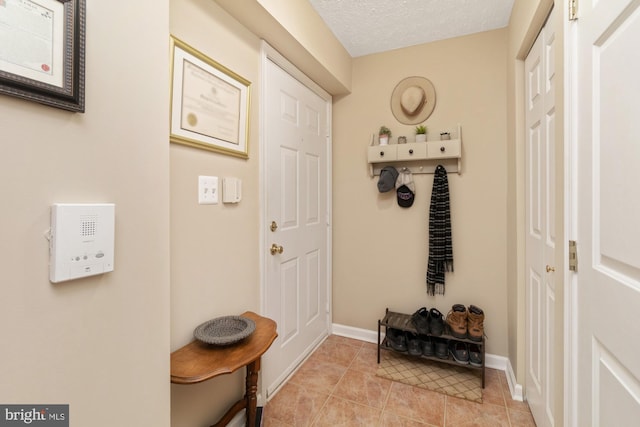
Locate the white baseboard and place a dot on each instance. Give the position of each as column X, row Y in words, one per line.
column 491, row 360
column 514, row 387
column 355, row 333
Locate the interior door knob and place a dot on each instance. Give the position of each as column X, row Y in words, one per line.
column 276, row 249
column 550, row 269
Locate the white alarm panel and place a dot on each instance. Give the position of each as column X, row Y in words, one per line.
column 82, row 240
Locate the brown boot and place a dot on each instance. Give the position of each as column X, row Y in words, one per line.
column 476, row 323
column 457, row 321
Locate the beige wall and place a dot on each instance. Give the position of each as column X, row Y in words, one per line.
column 380, row 249
column 100, row 344
column 214, row 248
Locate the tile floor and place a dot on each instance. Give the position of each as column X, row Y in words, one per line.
column 338, row 386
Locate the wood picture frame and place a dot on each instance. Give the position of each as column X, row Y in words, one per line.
column 44, row 60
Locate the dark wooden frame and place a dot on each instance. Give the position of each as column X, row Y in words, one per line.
column 71, row 95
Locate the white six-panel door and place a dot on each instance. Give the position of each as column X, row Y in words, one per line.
column 296, row 221
column 541, row 237
column 607, row 143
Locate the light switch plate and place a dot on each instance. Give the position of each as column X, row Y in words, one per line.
column 207, row 190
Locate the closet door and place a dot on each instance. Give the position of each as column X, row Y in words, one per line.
column 540, row 226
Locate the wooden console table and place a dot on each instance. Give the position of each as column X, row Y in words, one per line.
column 197, row 362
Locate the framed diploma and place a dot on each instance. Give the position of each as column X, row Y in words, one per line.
column 42, row 46
column 209, row 103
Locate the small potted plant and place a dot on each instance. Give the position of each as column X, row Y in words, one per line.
column 421, row 133
column 384, row 134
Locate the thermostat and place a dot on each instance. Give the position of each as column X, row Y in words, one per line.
column 82, row 240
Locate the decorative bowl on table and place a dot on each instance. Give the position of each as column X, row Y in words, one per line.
column 225, row 330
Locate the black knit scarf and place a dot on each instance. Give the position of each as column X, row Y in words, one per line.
column 440, row 246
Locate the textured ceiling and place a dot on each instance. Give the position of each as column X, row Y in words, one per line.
column 370, row 26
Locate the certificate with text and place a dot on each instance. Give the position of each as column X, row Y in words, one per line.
column 209, row 103
column 42, row 46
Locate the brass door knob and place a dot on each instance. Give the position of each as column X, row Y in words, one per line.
column 550, row 269
column 275, row 249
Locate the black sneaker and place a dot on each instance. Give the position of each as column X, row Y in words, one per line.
column 436, row 325
column 420, row 320
column 396, row 340
column 441, row 349
column 459, row 351
column 427, row 346
column 413, row 344
column 475, row 355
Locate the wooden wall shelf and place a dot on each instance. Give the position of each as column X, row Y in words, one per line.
column 417, row 157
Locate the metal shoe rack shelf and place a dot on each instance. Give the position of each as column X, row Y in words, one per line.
column 403, row 322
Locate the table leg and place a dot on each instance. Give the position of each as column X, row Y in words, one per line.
column 249, row 402
column 251, row 388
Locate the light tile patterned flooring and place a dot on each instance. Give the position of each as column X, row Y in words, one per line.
column 338, row 386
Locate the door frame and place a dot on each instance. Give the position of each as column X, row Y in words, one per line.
column 268, row 53
column 571, row 326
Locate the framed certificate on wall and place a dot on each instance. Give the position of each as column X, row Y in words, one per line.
column 42, row 51
column 209, row 103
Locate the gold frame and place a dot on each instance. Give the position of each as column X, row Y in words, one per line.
column 213, row 112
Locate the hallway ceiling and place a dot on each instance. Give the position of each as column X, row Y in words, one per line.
column 371, row 26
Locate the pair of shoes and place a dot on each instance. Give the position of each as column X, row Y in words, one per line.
column 428, row 321
column 459, row 351
column 475, row 323
column 414, row 345
column 396, row 339
column 420, row 320
column 436, row 322
column 475, row 355
column 465, row 323
column 441, row 348
column 427, row 346
column 457, row 321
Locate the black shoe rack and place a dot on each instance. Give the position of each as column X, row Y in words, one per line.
column 402, row 322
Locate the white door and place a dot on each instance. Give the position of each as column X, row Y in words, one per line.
column 540, row 226
column 296, row 129
column 607, row 142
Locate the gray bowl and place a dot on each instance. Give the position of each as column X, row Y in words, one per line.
column 225, row 330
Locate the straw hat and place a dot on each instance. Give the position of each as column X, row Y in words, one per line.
column 413, row 100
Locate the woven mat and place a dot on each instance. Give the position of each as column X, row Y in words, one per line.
column 440, row 377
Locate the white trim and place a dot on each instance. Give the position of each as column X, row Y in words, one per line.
column 269, row 53
column 515, row 388
column 492, row 361
column 355, row 333
column 570, row 221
